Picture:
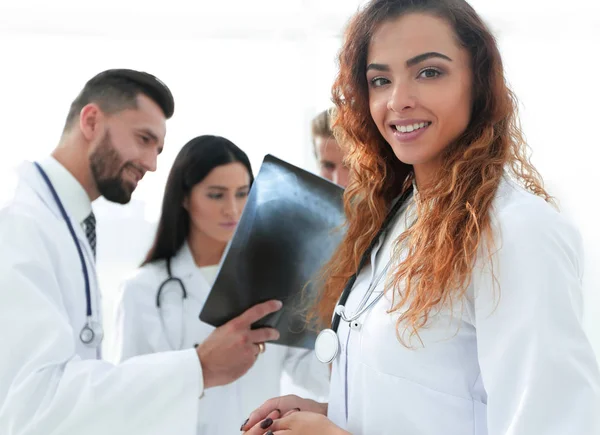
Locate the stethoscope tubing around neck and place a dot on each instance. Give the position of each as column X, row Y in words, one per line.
column 65, row 216
column 335, row 323
column 170, row 278
column 363, row 306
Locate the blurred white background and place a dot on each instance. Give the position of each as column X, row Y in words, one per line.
column 256, row 72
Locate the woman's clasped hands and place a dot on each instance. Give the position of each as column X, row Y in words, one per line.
column 291, row 415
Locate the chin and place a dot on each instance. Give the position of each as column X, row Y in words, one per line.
column 413, row 156
column 123, row 197
column 223, row 236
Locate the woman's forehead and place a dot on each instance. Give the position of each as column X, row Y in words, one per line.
column 411, row 35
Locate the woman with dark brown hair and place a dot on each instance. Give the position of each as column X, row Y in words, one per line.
column 456, row 294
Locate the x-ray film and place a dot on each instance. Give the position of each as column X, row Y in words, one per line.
column 291, row 225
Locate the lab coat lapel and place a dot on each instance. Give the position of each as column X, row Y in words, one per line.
column 184, row 268
column 182, row 265
column 30, row 176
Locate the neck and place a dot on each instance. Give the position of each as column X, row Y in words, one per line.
column 425, row 175
column 71, row 152
column 205, row 250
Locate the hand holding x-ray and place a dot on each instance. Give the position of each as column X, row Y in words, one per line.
column 231, row 350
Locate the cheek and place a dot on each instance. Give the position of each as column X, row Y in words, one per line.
column 325, row 172
column 453, row 107
column 378, row 109
column 202, row 211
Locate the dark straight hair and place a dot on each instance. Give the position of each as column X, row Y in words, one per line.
column 193, row 163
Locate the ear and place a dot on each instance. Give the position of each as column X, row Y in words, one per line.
column 91, row 121
column 186, row 203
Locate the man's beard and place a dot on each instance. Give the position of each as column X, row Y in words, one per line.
column 107, row 170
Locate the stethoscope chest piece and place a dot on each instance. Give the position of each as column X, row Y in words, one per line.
column 327, row 346
column 91, row 334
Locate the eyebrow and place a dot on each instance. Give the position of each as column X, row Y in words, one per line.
column 422, row 57
column 247, row 186
column 410, row 62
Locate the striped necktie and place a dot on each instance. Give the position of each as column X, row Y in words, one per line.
column 90, row 231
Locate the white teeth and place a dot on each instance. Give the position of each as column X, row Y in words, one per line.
column 411, row 128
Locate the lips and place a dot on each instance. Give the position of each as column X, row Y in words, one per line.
column 409, row 130
column 135, row 174
column 138, row 175
column 229, row 224
column 412, row 127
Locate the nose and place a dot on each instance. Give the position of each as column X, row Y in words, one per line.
column 341, row 177
column 327, row 174
column 150, row 160
column 231, row 208
column 402, row 97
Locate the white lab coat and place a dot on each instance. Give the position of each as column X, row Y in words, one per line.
column 50, row 383
column 514, row 361
column 139, row 330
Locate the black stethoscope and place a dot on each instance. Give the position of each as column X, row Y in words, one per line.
column 171, row 278
column 327, row 345
column 91, row 334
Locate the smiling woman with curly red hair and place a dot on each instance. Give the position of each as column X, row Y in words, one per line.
column 464, row 316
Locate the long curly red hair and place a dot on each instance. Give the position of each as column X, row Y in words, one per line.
column 443, row 244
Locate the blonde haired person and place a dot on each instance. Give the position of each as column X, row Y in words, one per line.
column 328, row 152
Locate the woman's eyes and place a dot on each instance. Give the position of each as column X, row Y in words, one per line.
column 377, row 82
column 221, row 195
column 429, row 73
column 426, row 73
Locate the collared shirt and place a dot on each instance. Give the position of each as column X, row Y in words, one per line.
column 71, row 193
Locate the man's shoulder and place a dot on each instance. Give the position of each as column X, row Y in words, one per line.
column 23, row 212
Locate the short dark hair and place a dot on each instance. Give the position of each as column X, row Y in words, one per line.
column 194, row 162
column 117, row 89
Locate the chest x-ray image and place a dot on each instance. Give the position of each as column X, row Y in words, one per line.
column 291, row 224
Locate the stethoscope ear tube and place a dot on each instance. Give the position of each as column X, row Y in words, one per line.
column 335, row 323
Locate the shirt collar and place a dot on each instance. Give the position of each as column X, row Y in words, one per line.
column 182, row 263
column 71, row 193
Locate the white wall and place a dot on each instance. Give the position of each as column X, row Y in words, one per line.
column 256, row 72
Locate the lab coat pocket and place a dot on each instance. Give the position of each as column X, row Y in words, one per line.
column 442, row 357
column 424, row 387
column 391, row 405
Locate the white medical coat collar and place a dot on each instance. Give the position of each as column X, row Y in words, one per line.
column 72, row 194
column 29, row 175
column 182, row 264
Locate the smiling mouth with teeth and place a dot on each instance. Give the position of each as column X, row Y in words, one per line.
column 412, row 127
